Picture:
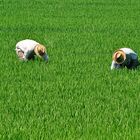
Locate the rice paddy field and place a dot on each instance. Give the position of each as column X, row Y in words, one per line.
column 75, row 96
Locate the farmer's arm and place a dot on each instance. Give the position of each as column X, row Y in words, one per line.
column 45, row 57
column 115, row 65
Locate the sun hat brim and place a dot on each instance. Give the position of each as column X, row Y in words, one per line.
column 119, row 56
column 36, row 50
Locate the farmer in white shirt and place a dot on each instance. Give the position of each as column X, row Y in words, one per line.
column 27, row 49
column 124, row 57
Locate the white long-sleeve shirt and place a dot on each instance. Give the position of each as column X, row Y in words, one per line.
column 130, row 62
column 27, row 46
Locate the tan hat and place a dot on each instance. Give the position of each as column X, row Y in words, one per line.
column 40, row 50
column 119, row 56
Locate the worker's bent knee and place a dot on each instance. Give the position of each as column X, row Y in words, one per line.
column 20, row 54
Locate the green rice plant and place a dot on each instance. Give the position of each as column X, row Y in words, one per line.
column 75, row 95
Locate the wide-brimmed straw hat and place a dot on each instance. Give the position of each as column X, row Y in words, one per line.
column 119, row 56
column 40, row 50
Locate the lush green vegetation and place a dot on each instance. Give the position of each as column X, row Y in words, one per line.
column 75, row 95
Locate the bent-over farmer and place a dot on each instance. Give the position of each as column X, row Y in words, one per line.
column 27, row 49
column 125, row 57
